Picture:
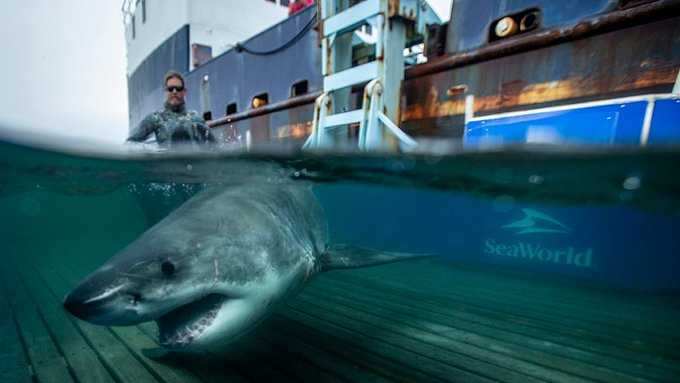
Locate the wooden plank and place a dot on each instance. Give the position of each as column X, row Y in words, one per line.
column 323, row 360
column 597, row 298
column 436, row 282
column 136, row 341
column 363, row 300
column 242, row 360
column 565, row 334
column 206, row 370
column 109, row 349
column 281, row 357
column 508, row 312
column 78, row 354
column 14, row 364
column 406, row 360
column 573, row 360
column 46, row 360
column 342, row 344
column 247, row 356
column 250, row 356
column 613, row 310
column 452, row 352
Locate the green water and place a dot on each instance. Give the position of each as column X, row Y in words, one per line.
column 463, row 316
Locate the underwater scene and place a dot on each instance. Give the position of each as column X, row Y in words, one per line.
column 516, row 265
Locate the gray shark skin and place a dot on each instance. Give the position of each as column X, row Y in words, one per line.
column 217, row 266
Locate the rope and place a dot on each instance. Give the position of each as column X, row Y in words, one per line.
column 242, row 48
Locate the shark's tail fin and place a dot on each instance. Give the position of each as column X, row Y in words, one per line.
column 351, row 257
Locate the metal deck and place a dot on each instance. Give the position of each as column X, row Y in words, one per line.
column 417, row 322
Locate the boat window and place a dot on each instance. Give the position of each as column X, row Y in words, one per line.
column 260, row 100
column 299, row 88
column 201, row 54
column 133, row 27
column 207, row 115
column 284, row 3
column 231, row 108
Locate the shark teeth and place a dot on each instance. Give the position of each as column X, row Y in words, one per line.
column 183, row 325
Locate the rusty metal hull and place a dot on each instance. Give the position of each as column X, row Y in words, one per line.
column 619, row 52
column 282, row 127
column 634, row 60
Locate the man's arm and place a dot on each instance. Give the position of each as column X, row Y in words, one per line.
column 144, row 129
column 203, row 130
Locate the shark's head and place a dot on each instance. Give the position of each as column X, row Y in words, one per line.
column 199, row 288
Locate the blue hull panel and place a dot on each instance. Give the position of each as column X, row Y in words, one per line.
column 601, row 123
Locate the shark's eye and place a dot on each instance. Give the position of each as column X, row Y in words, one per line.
column 135, row 298
column 167, row 268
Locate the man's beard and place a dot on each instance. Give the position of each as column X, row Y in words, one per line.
column 175, row 107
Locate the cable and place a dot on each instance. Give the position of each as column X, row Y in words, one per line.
column 241, row 48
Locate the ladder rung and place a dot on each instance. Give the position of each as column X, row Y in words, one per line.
column 351, row 17
column 343, row 118
column 352, row 76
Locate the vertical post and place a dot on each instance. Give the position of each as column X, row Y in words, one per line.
column 647, row 122
column 205, row 95
column 469, row 107
column 391, row 59
column 341, row 59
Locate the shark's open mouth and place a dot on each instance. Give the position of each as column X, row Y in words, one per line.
column 184, row 324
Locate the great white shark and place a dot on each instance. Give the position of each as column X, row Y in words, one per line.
column 217, row 266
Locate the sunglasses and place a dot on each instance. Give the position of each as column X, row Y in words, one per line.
column 172, row 89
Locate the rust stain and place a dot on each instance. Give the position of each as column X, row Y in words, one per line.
column 296, row 130
column 457, row 90
column 648, row 79
column 549, row 91
column 510, row 92
column 432, row 107
column 513, row 96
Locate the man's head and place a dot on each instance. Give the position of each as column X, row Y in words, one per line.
column 174, row 88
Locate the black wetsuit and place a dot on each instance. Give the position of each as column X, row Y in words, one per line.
column 174, row 126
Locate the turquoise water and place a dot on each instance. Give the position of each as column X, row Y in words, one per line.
column 550, row 266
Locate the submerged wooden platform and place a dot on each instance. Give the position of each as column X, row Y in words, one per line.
column 424, row 321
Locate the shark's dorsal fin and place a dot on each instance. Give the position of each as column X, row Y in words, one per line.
column 350, row 257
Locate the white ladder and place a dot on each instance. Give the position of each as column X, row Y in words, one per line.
column 380, row 106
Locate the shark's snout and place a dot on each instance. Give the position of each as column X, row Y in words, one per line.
column 110, row 306
column 82, row 308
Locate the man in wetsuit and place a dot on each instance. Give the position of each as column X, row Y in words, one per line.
column 174, row 125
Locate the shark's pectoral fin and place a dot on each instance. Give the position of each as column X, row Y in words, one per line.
column 350, row 257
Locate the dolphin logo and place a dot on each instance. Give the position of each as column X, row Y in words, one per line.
column 537, row 222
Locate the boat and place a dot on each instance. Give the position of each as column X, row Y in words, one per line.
column 482, row 64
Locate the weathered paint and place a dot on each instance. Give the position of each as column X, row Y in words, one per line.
column 628, row 61
column 282, row 129
column 618, row 52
